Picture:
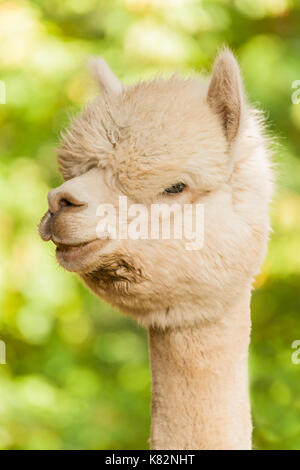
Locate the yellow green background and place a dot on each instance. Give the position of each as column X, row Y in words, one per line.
column 77, row 373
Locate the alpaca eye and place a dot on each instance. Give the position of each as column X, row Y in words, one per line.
column 175, row 188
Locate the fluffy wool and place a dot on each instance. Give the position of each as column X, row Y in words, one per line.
column 137, row 141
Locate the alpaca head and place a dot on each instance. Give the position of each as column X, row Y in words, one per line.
column 184, row 142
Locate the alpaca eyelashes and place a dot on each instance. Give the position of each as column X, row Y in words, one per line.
column 175, row 188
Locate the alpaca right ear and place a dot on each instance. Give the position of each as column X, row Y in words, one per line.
column 105, row 77
column 225, row 94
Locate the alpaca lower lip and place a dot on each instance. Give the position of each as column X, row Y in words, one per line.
column 80, row 247
column 63, row 247
column 67, row 254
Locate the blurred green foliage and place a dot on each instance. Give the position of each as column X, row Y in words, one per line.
column 77, row 372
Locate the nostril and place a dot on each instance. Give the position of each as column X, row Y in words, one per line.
column 65, row 202
column 59, row 200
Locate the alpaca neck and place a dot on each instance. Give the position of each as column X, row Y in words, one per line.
column 200, row 384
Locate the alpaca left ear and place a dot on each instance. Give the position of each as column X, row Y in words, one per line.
column 225, row 94
column 105, row 77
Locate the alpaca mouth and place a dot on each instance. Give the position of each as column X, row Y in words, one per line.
column 64, row 247
column 77, row 256
column 78, row 247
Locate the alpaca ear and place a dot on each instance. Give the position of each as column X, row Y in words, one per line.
column 105, row 77
column 225, row 94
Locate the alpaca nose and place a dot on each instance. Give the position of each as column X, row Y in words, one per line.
column 59, row 199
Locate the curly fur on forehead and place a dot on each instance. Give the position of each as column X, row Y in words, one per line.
column 147, row 131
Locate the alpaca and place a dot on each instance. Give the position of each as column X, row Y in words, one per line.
column 184, row 141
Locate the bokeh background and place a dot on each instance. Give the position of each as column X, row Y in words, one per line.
column 77, row 373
